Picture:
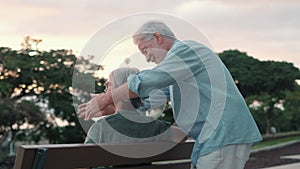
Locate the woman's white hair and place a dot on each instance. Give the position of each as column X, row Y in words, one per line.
column 119, row 76
column 146, row 31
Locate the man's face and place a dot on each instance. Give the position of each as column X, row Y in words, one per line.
column 153, row 50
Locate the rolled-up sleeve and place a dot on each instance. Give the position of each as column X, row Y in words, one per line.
column 148, row 80
column 134, row 83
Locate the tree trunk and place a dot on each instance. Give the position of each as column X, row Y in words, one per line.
column 269, row 120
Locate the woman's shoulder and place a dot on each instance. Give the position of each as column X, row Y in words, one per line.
column 102, row 120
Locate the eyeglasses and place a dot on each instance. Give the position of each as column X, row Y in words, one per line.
column 107, row 86
column 144, row 51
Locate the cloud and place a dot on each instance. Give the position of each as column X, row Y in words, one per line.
column 258, row 27
column 265, row 29
column 72, row 18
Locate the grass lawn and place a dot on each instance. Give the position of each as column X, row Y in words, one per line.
column 274, row 142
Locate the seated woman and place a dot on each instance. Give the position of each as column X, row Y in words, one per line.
column 128, row 124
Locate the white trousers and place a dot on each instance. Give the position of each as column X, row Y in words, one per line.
column 229, row 157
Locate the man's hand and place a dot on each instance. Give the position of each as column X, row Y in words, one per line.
column 98, row 106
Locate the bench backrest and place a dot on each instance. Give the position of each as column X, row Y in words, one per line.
column 67, row 156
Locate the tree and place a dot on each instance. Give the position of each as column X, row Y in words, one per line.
column 245, row 71
column 36, row 89
column 291, row 111
column 263, row 81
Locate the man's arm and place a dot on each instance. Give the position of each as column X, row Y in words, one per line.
column 97, row 106
column 119, row 94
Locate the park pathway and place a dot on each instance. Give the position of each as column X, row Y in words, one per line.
column 283, row 156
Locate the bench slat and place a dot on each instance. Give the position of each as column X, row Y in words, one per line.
column 66, row 156
column 184, row 165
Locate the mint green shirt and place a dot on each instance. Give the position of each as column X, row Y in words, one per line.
column 205, row 100
column 128, row 126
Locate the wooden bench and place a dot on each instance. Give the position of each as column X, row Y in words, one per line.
column 70, row 156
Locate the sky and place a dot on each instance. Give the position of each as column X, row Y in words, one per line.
column 265, row 29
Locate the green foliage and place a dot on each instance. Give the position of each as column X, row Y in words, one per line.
column 14, row 114
column 292, row 110
column 266, row 83
column 267, row 111
column 29, row 78
column 273, row 142
column 254, row 77
column 243, row 68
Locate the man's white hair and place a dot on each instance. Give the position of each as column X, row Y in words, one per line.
column 146, row 31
